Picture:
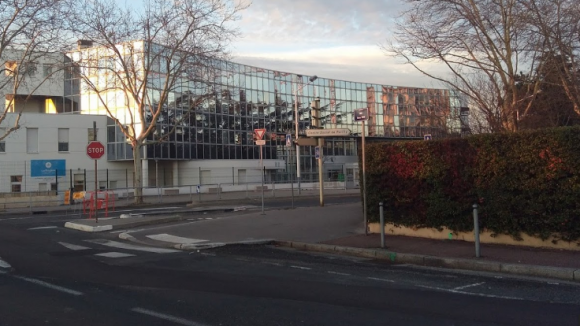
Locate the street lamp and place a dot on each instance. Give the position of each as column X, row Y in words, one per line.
column 296, row 90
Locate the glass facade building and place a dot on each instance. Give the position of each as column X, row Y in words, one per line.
column 213, row 116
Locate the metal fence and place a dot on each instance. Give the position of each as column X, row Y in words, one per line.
column 203, row 192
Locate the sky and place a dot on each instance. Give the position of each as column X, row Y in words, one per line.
column 337, row 39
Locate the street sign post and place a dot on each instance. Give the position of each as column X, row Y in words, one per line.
column 362, row 115
column 95, row 150
column 317, row 152
column 259, row 135
column 328, row 132
column 288, row 140
column 427, row 137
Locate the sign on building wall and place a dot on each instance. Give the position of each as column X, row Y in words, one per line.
column 47, row 168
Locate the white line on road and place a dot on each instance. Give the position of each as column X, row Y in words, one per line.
column 301, row 267
column 128, row 246
column 272, row 263
column 73, row 246
column 43, row 228
column 167, row 317
column 114, row 254
column 381, row 279
column 338, row 273
column 174, row 239
column 49, row 285
column 469, row 293
column 468, row 286
column 4, row 264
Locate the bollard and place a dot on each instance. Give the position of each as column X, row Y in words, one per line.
column 476, row 230
column 381, row 204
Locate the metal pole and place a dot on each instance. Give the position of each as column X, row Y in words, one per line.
column 382, row 215
column 296, row 136
column 364, row 179
column 291, row 179
column 233, row 177
column 56, row 180
column 127, row 179
column 476, row 230
column 107, row 187
column 262, row 170
column 85, row 178
column 96, row 176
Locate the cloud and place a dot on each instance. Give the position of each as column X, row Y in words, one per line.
column 336, row 39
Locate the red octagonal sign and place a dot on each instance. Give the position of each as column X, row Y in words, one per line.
column 95, row 150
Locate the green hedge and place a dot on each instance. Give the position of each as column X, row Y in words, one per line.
column 523, row 182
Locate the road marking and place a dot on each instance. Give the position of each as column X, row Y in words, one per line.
column 272, row 263
column 381, row 279
column 114, row 254
column 73, row 246
column 209, row 218
column 167, row 317
column 468, row 286
column 43, row 228
column 301, row 267
column 128, row 246
column 4, row 264
column 174, row 239
column 49, row 285
column 338, row 273
column 469, row 293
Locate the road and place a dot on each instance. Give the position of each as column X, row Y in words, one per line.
column 65, row 277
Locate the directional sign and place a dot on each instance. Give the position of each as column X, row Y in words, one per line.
column 288, row 140
column 427, row 137
column 317, row 152
column 95, row 150
column 361, row 114
column 328, row 132
column 260, row 142
column 259, row 133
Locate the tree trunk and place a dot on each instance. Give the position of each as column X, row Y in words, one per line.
column 138, row 168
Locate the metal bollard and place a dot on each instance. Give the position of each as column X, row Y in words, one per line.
column 381, row 205
column 476, row 230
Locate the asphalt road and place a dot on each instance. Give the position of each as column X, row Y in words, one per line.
column 65, row 277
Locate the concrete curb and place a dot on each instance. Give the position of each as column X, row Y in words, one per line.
column 568, row 274
column 194, row 246
column 109, row 227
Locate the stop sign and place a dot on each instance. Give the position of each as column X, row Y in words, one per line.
column 95, row 150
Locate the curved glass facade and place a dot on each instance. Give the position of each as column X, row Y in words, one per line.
column 213, row 115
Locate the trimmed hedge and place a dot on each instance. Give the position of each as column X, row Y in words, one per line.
column 523, row 182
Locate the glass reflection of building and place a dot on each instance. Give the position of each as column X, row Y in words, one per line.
column 212, row 116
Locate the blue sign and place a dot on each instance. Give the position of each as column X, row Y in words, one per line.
column 427, row 137
column 47, row 168
column 317, row 152
column 288, row 140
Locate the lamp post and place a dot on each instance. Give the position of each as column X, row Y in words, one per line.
column 296, row 90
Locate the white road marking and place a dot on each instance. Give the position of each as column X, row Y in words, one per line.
column 174, row 239
column 468, row 286
column 166, row 317
column 4, row 264
column 208, row 254
column 49, row 285
column 272, row 263
column 209, row 218
column 301, row 267
column 128, row 246
column 469, row 293
column 114, row 254
column 338, row 273
column 43, row 228
column 381, row 279
column 73, row 246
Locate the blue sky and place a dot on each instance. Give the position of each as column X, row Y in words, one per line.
column 330, row 38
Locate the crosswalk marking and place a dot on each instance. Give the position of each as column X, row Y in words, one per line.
column 128, row 246
column 73, row 246
column 174, row 239
column 43, row 228
column 114, row 254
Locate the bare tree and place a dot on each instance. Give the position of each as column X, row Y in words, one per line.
column 478, row 41
column 29, row 31
column 555, row 30
column 178, row 45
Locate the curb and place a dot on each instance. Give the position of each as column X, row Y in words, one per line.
column 194, row 246
column 4, row 266
column 109, row 227
column 568, row 274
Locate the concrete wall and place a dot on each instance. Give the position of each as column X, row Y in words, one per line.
column 484, row 237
